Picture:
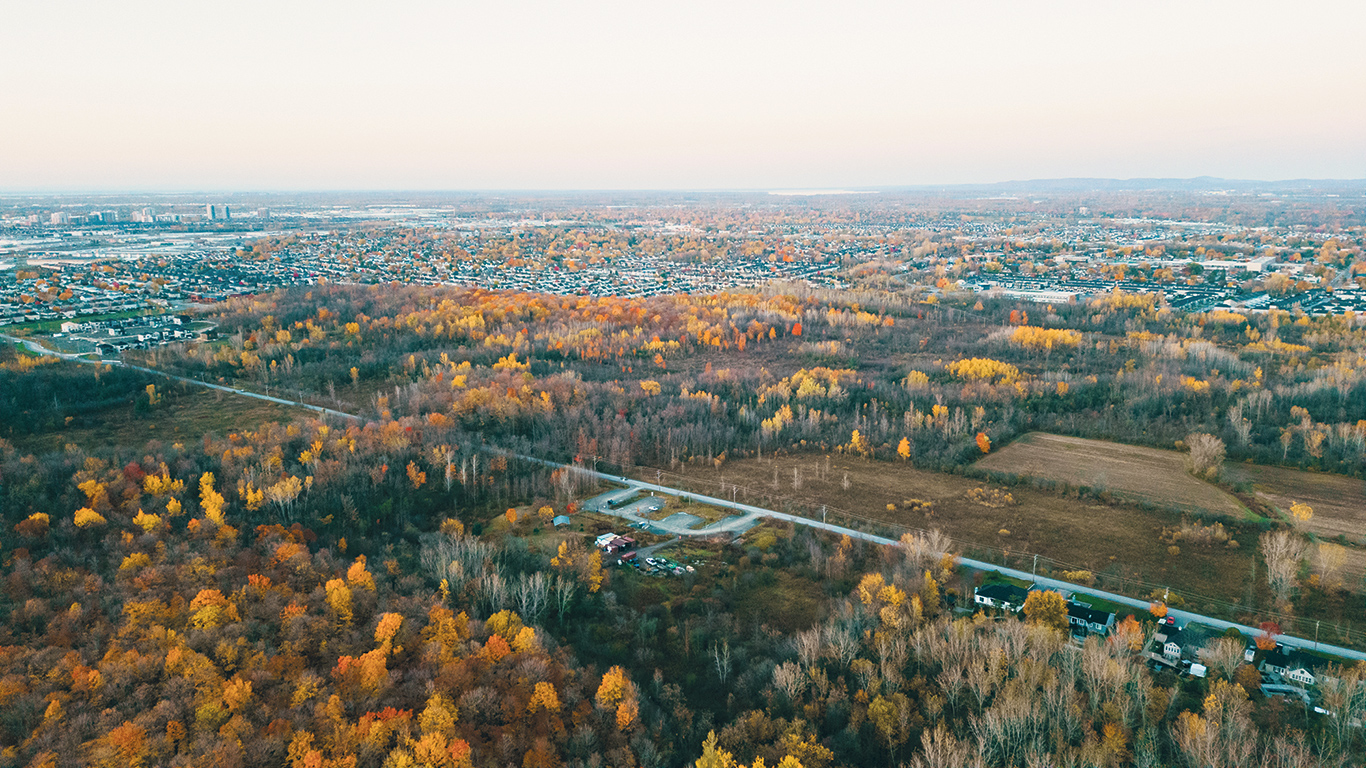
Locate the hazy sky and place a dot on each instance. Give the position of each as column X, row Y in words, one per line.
column 288, row 94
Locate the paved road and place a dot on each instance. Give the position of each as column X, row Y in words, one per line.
column 750, row 515
column 37, row 348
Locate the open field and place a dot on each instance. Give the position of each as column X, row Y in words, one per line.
column 1119, row 539
column 1130, row 472
column 1339, row 505
column 674, row 505
column 1339, row 502
column 52, row 326
column 186, row 416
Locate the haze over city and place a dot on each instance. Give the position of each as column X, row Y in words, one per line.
column 698, row 385
column 249, row 95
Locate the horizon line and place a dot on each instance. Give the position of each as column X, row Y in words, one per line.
column 811, row 190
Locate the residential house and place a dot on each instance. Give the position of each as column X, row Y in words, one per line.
column 1089, row 620
column 1006, row 597
column 1289, row 665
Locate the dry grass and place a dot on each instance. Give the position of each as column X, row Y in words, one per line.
column 186, row 417
column 1339, row 502
column 674, row 505
column 1339, row 505
column 1130, row 472
column 1116, row 538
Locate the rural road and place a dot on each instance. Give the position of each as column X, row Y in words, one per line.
column 750, row 515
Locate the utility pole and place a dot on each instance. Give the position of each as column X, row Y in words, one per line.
column 1316, row 635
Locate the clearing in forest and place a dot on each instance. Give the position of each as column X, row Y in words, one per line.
column 1131, row 472
column 1116, row 538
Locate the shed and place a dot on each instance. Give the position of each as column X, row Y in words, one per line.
column 561, row 520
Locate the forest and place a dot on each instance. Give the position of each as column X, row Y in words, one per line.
column 322, row 591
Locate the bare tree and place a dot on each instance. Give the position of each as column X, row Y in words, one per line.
column 1328, row 561
column 941, row 750
column 789, row 678
column 1344, row 694
column 456, row 558
column 843, row 643
column 796, row 478
column 1241, row 426
column 720, row 653
column 564, row 595
column 809, row 646
column 1223, row 655
column 924, row 549
column 1207, row 454
column 531, row 594
column 493, row 591
column 1282, row 551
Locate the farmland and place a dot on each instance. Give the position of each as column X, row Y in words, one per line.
column 1130, row 472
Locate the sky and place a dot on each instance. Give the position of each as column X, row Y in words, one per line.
column 243, row 95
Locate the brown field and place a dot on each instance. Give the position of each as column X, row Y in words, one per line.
column 186, row 417
column 1138, row 474
column 1339, row 504
column 1114, row 538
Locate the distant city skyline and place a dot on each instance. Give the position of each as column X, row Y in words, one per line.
column 250, row 95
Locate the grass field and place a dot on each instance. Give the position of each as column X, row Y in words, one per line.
column 1115, row 538
column 674, row 505
column 52, row 326
column 1130, row 472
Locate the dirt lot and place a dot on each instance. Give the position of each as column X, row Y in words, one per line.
column 1119, row 538
column 1130, row 472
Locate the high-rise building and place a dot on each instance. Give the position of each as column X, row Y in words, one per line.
column 227, row 213
column 208, row 211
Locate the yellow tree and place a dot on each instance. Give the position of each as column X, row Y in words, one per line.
column 1048, row 608
column 210, row 500
column 339, row 598
column 903, row 449
column 858, row 444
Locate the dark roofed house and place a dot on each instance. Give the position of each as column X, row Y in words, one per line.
column 1007, row 597
column 1091, row 620
column 1295, row 667
column 1171, row 645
